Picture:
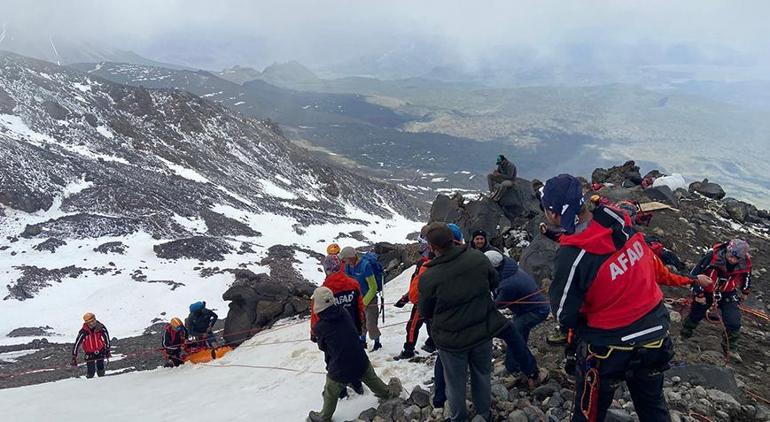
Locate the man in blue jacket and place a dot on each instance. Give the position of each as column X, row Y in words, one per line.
column 520, row 293
column 200, row 324
column 346, row 361
column 362, row 271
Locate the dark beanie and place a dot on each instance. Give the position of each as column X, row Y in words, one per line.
column 479, row 233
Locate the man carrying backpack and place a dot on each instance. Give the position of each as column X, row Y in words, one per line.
column 367, row 271
column 96, row 345
column 200, row 324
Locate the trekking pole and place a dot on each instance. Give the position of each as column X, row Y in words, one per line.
column 382, row 305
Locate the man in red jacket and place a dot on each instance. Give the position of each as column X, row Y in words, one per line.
column 605, row 294
column 729, row 266
column 96, row 345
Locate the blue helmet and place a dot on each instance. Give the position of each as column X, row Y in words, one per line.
column 197, row 306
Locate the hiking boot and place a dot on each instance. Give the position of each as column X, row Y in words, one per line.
column 377, row 345
column 405, row 354
column 538, row 380
column 429, row 347
column 556, row 338
column 314, row 416
column 735, row 356
column 100, row 373
column 358, row 388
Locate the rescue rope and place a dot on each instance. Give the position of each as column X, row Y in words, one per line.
column 277, row 368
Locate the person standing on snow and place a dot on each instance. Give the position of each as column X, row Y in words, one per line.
column 605, row 295
column 729, row 266
column 346, row 361
column 362, row 271
column 95, row 340
column 200, row 324
column 174, row 342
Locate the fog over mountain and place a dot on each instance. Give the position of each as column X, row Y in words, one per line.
column 398, row 38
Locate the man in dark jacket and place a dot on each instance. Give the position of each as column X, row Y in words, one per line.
column 605, row 291
column 200, row 324
column 346, row 360
column 502, row 178
column 480, row 242
column 729, row 266
column 174, row 342
column 519, row 293
column 455, row 297
column 95, row 340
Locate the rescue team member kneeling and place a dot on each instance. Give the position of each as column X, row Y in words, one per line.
column 605, row 290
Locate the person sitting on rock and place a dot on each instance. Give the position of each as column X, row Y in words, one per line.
column 606, row 296
column 361, row 270
column 95, row 340
column 415, row 321
column 174, row 342
column 346, row 361
column 502, row 178
column 519, row 293
column 729, row 266
column 332, row 259
column 480, row 242
column 200, row 324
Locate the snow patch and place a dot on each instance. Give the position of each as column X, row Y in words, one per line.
column 104, row 131
column 272, row 189
column 184, row 172
column 11, row 357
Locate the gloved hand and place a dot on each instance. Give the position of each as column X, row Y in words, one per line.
column 700, row 299
column 402, row 302
column 74, row 361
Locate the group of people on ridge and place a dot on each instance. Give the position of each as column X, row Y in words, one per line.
column 178, row 339
column 605, row 296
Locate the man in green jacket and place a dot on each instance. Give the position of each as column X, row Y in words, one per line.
column 455, row 297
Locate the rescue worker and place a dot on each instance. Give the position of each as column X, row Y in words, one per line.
column 95, row 340
column 729, row 266
column 605, row 294
column 361, row 270
column 332, row 259
column 346, row 361
column 174, row 342
column 200, row 324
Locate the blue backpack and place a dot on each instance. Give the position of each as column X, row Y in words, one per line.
column 379, row 272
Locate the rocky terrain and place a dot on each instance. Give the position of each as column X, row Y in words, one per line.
column 107, row 188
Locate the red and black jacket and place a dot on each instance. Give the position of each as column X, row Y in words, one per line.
column 605, row 286
column 174, row 339
column 727, row 278
column 94, row 340
column 347, row 294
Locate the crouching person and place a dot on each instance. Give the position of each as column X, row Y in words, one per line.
column 346, row 360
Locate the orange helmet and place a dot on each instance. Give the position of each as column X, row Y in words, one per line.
column 88, row 317
column 176, row 322
column 333, row 249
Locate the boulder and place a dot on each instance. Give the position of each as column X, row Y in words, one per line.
column 715, row 377
column 49, row 245
column 483, row 214
column 707, row 189
column 31, row 332
column 737, row 210
column 662, row 194
column 446, row 209
column 538, row 258
column 625, row 175
column 520, row 201
column 257, row 301
column 419, row 396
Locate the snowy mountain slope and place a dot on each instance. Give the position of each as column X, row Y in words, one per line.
column 131, row 202
column 217, row 391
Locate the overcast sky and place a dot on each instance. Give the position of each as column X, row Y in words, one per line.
column 214, row 34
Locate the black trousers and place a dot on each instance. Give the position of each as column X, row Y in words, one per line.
column 728, row 307
column 413, row 329
column 94, row 364
column 174, row 357
column 641, row 369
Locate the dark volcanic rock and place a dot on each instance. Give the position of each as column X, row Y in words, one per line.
column 80, row 226
column 625, row 175
column 201, row 248
column 35, row 278
column 30, row 332
column 49, row 245
column 738, row 210
column 720, row 378
column 537, row 259
column 6, row 102
column 707, row 189
column 446, row 209
column 520, row 201
column 111, row 247
column 220, row 225
column 662, row 194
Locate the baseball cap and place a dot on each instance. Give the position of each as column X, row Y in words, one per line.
column 563, row 195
